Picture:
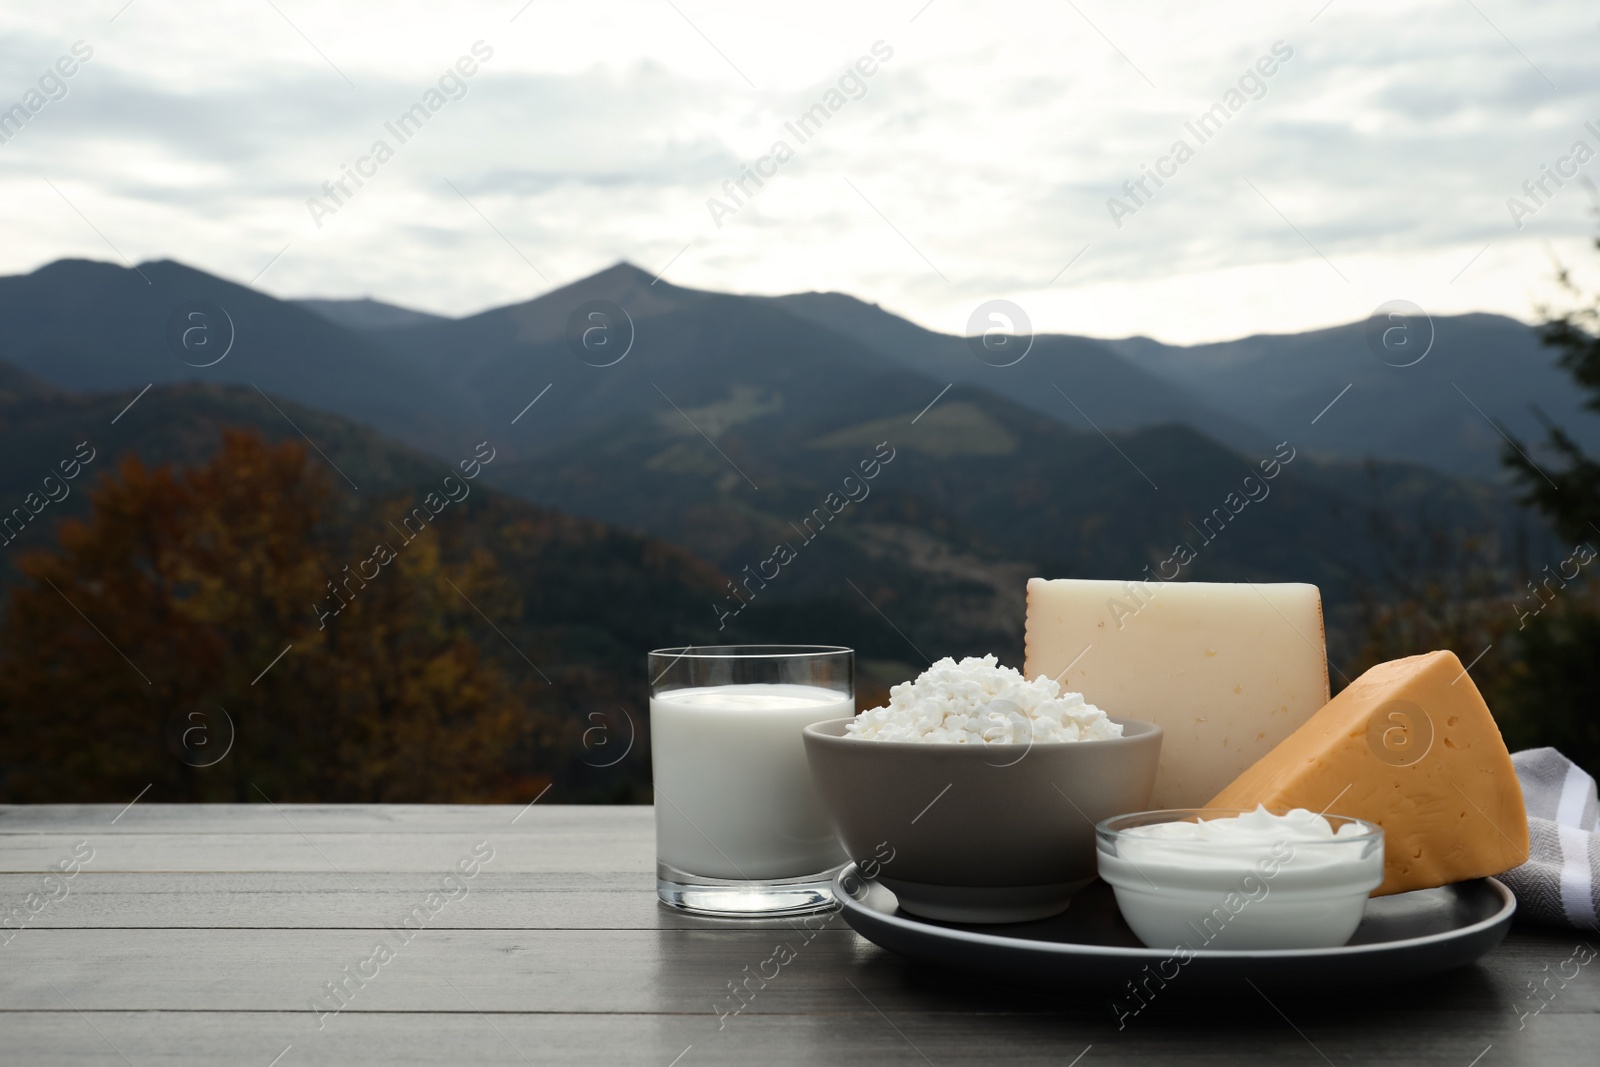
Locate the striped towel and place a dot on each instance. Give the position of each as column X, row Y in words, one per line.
column 1560, row 883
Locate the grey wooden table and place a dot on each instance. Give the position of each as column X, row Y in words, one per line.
column 214, row 934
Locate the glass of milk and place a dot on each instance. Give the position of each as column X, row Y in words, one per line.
column 739, row 827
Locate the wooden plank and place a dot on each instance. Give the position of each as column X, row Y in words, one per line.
column 148, row 817
column 1377, row 1033
column 584, row 971
column 324, row 900
column 618, row 850
column 313, row 838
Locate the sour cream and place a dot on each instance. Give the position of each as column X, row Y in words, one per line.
column 1231, row 880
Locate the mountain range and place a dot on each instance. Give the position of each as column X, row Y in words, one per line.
column 423, row 379
column 717, row 423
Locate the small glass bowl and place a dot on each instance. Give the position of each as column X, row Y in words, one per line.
column 1247, row 895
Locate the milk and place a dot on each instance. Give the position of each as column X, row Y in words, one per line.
column 733, row 793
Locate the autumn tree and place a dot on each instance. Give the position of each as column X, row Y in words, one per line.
column 206, row 596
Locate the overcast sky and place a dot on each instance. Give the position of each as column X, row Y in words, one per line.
column 976, row 161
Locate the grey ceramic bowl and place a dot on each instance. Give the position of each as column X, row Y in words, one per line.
column 969, row 833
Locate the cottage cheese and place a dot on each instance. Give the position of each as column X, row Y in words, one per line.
column 977, row 701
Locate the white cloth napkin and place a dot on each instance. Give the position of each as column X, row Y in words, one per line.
column 1560, row 883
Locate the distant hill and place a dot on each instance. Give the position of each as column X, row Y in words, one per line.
column 500, row 360
column 1078, row 381
column 1242, row 392
column 1437, row 412
column 88, row 326
column 366, row 313
column 17, row 384
column 982, row 494
column 594, row 597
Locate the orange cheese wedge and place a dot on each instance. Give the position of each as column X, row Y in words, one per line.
column 1411, row 746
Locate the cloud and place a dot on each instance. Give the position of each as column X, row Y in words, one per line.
column 987, row 146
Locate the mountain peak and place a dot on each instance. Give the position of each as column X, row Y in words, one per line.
column 622, row 283
column 622, row 279
column 73, row 267
column 623, row 272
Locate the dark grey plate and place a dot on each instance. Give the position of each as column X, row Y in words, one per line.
column 1401, row 937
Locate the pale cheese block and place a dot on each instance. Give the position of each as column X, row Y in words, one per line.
column 1226, row 670
column 1411, row 746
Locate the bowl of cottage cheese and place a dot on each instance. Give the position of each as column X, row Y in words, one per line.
column 973, row 793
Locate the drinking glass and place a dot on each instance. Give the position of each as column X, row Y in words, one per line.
column 740, row 830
